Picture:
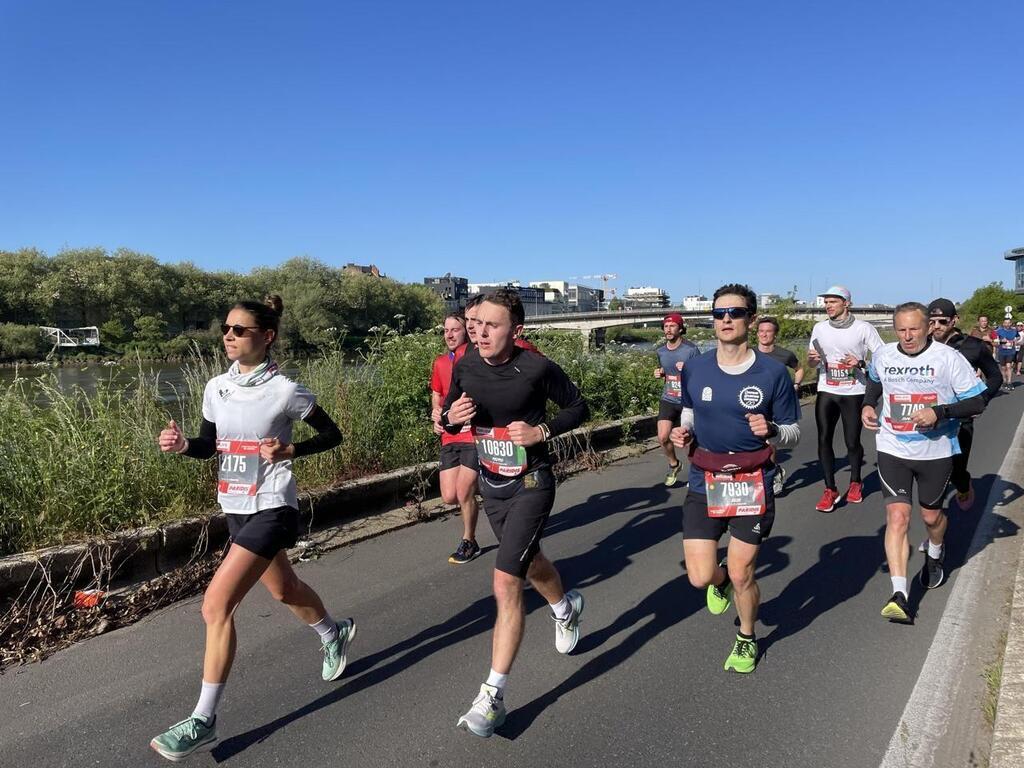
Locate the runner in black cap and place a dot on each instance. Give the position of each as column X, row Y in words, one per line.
column 942, row 320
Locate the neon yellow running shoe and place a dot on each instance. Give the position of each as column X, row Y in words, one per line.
column 719, row 599
column 673, row 474
column 743, row 657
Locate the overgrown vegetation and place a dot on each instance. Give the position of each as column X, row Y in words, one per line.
column 80, row 464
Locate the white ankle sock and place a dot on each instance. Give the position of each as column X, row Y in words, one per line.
column 899, row 584
column 327, row 628
column 934, row 550
column 209, row 698
column 498, row 680
column 562, row 608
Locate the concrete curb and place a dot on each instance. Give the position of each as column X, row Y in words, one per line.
column 1008, row 734
column 349, row 509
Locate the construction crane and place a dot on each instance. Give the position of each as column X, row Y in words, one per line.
column 603, row 278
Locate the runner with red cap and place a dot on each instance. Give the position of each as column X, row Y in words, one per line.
column 671, row 359
column 839, row 348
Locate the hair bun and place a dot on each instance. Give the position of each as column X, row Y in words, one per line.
column 274, row 302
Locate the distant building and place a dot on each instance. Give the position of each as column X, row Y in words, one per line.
column 359, row 269
column 819, row 301
column 536, row 301
column 1016, row 255
column 697, row 304
column 454, row 291
column 576, row 298
column 767, row 299
column 645, row 297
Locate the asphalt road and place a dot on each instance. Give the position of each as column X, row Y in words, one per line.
column 645, row 686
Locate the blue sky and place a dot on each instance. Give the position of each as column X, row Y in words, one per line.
column 681, row 144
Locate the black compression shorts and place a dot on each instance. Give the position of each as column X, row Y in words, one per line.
column 668, row 411
column 752, row 529
column 459, row 455
column 517, row 511
column 266, row 532
column 898, row 476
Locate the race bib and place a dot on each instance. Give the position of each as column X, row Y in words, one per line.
column 497, row 453
column 903, row 406
column 839, row 375
column 739, row 494
column 673, row 386
column 238, row 471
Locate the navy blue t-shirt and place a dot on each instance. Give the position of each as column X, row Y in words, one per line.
column 721, row 402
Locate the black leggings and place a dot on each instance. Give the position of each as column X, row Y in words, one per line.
column 828, row 410
column 961, row 477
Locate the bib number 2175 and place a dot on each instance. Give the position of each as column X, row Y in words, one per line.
column 238, row 468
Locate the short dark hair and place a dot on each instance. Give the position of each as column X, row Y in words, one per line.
column 911, row 306
column 510, row 300
column 475, row 300
column 736, row 289
column 771, row 320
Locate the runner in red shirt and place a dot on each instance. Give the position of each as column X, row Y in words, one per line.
column 458, row 452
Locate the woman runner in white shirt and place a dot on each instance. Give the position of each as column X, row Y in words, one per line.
column 248, row 414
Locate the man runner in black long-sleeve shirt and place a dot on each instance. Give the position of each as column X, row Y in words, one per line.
column 942, row 318
column 502, row 391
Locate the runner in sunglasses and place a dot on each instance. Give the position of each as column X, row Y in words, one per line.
column 248, row 414
column 735, row 401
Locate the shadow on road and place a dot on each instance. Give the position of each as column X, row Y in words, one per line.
column 604, row 560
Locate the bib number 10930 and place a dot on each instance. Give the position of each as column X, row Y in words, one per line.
column 238, row 468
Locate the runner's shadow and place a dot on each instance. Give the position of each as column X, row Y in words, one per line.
column 844, row 568
column 662, row 609
column 600, row 505
column 606, row 559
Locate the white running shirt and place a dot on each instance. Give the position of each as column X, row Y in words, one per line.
column 254, row 413
column 937, row 376
column 859, row 339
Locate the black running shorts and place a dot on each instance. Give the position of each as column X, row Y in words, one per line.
column 459, row 455
column 266, row 532
column 517, row 511
column 898, row 476
column 753, row 529
column 669, row 412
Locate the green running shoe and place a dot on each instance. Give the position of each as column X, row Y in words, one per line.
column 743, row 657
column 184, row 738
column 673, row 474
column 720, row 598
column 335, row 652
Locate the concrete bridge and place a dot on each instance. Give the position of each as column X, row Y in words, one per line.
column 594, row 324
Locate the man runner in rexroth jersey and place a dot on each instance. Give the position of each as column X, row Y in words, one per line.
column 942, row 322
column 926, row 389
column 502, row 391
column 735, row 401
column 458, row 464
column 767, row 330
column 1006, row 338
column 840, row 347
column 672, row 356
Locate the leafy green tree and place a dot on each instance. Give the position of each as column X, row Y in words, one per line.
column 615, row 304
column 21, row 272
column 150, row 330
column 21, row 342
column 990, row 300
column 113, row 334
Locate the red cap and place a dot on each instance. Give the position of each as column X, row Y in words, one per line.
column 675, row 317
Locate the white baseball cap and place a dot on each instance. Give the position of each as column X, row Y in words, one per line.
column 839, row 291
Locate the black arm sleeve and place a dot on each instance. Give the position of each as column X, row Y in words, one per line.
column 205, row 445
column 872, row 392
column 993, row 376
column 962, row 409
column 573, row 410
column 454, row 393
column 327, row 434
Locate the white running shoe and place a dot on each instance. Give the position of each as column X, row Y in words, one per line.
column 779, row 481
column 486, row 714
column 567, row 631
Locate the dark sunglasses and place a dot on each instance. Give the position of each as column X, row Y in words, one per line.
column 734, row 313
column 238, row 330
column 940, row 320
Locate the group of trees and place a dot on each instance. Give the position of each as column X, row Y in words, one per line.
column 138, row 302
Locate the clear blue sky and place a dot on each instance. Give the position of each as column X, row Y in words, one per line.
column 681, row 144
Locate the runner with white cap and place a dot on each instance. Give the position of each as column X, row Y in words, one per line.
column 840, row 348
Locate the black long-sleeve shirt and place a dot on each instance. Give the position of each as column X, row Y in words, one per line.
column 204, row 445
column 517, row 390
column 980, row 358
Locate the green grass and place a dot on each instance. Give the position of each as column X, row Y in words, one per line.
column 79, row 465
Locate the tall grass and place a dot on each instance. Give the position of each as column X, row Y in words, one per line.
column 74, row 464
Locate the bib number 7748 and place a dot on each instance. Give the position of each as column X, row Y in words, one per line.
column 238, row 467
column 904, row 405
